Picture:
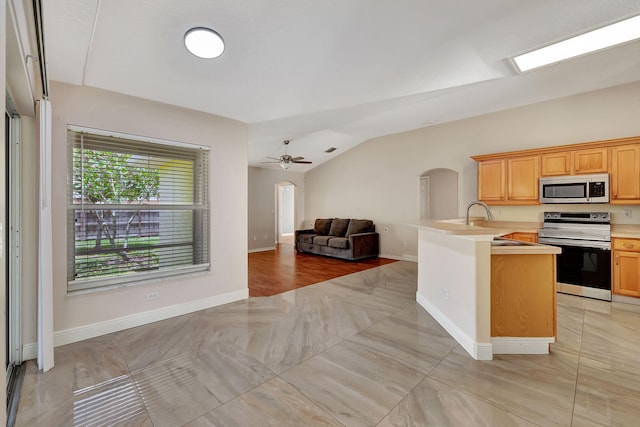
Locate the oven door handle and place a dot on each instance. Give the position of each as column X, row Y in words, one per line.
column 578, row 243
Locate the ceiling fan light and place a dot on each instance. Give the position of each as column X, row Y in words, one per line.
column 284, row 165
column 204, row 42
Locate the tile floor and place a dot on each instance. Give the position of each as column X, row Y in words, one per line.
column 354, row 351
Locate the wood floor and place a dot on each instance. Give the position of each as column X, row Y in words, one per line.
column 282, row 270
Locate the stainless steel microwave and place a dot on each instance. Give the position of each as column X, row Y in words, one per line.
column 575, row 189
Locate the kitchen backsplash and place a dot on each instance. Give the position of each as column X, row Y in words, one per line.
column 534, row 213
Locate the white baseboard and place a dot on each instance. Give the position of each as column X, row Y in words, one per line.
column 68, row 336
column 270, row 248
column 521, row 345
column 405, row 257
column 477, row 350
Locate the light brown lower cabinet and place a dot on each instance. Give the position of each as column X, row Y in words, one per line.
column 523, row 295
column 626, row 267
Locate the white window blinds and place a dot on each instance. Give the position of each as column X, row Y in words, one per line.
column 138, row 210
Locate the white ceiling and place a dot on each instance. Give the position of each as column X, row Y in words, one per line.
column 333, row 73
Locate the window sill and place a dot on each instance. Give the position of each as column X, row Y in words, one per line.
column 88, row 286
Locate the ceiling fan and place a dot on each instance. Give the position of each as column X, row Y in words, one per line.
column 286, row 160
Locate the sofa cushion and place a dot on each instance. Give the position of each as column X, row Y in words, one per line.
column 306, row 238
column 339, row 227
column 357, row 226
column 321, row 240
column 322, row 226
column 339, row 242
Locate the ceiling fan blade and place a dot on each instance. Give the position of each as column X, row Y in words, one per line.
column 295, row 159
column 302, row 161
column 274, row 158
column 278, row 161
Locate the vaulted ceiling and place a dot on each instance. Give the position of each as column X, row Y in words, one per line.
column 333, row 73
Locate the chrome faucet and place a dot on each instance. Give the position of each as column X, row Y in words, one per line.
column 484, row 205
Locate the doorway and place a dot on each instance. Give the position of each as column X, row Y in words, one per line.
column 285, row 215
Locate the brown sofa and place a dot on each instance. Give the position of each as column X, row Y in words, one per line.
column 350, row 239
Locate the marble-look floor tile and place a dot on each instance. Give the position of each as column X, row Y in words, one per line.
column 158, row 341
column 115, row 402
column 419, row 342
column 570, row 325
column 380, row 299
column 285, row 343
column 571, row 300
column 538, row 388
column 183, row 388
column 608, row 393
column 609, row 337
column 433, row 404
column 274, row 403
column 337, row 316
column 353, row 383
column 352, row 349
column 78, row 366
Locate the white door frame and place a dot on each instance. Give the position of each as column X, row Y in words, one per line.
column 423, row 197
column 15, row 242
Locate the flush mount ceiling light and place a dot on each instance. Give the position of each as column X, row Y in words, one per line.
column 602, row 38
column 204, row 42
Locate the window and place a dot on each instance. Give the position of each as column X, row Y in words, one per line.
column 138, row 209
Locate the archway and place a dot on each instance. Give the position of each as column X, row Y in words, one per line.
column 438, row 194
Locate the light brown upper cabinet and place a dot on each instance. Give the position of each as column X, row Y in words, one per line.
column 492, row 175
column 554, row 164
column 512, row 178
column 625, row 174
column 523, row 174
column 509, row 181
column 592, row 160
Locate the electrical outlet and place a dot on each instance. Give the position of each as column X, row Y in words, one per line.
column 152, row 296
column 254, row 238
column 499, row 212
column 627, row 213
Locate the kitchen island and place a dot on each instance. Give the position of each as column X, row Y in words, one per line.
column 492, row 296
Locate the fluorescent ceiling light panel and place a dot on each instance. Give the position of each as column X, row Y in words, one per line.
column 602, row 38
column 204, row 42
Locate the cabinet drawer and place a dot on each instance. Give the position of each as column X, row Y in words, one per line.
column 626, row 244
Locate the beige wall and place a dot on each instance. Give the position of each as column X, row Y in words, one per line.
column 262, row 204
column 378, row 179
column 227, row 138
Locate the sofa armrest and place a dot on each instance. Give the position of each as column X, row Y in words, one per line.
column 364, row 244
column 299, row 232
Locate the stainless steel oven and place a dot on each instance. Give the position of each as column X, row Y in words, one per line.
column 584, row 266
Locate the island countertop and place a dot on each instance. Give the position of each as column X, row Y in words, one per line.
column 481, row 229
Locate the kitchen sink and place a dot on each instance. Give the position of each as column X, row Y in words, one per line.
column 499, row 241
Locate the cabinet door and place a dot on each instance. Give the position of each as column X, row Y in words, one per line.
column 556, row 163
column 626, row 273
column 625, row 174
column 590, row 161
column 523, row 174
column 491, row 181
